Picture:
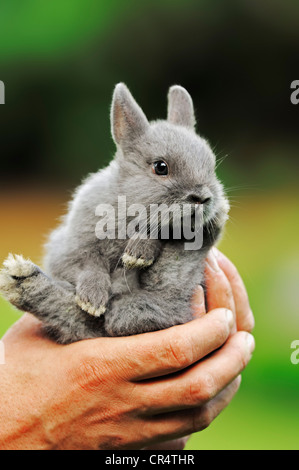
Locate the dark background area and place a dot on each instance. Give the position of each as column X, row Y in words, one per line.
column 236, row 58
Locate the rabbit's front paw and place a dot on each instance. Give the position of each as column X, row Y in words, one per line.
column 89, row 308
column 92, row 294
column 131, row 261
column 141, row 253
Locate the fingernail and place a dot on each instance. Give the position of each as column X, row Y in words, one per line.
column 198, row 297
column 212, row 262
column 230, row 317
column 198, row 302
column 252, row 321
column 238, row 380
column 250, row 342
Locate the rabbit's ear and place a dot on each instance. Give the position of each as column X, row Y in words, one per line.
column 128, row 121
column 180, row 107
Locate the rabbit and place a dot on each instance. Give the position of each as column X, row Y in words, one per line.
column 94, row 286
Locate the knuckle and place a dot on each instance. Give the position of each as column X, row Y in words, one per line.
column 222, row 330
column 206, row 418
column 249, row 323
column 203, row 419
column 240, row 356
column 194, row 393
column 178, row 352
column 202, row 390
column 207, row 387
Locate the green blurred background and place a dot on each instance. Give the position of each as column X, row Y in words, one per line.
column 60, row 62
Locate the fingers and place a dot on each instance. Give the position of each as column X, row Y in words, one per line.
column 198, row 303
column 244, row 316
column 201, row 383
column 179, row 423
column 163, row 352
column 219, row 291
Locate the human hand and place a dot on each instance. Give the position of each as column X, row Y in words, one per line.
column 118, row 393
column 226, row 289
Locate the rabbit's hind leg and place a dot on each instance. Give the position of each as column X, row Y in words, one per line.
column 25, row 285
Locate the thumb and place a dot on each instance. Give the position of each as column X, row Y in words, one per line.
column 198, row 303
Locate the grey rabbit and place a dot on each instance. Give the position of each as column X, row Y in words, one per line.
column 93, row 287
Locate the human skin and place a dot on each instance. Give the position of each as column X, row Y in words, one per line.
column 129, row 392
column 224, row 288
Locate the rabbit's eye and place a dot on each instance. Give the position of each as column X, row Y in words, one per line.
column 160, row 168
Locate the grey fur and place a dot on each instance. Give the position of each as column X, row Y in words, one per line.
column 84, row 274
column 180, row 107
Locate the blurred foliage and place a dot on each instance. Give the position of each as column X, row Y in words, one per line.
column 61, row 60
column 237, row 58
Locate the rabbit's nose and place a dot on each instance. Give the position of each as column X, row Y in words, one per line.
column 198, row 199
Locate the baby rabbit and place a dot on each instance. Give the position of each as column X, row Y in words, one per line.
column 94, row 285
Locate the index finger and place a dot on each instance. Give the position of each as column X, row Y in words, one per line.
column 166, row 351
